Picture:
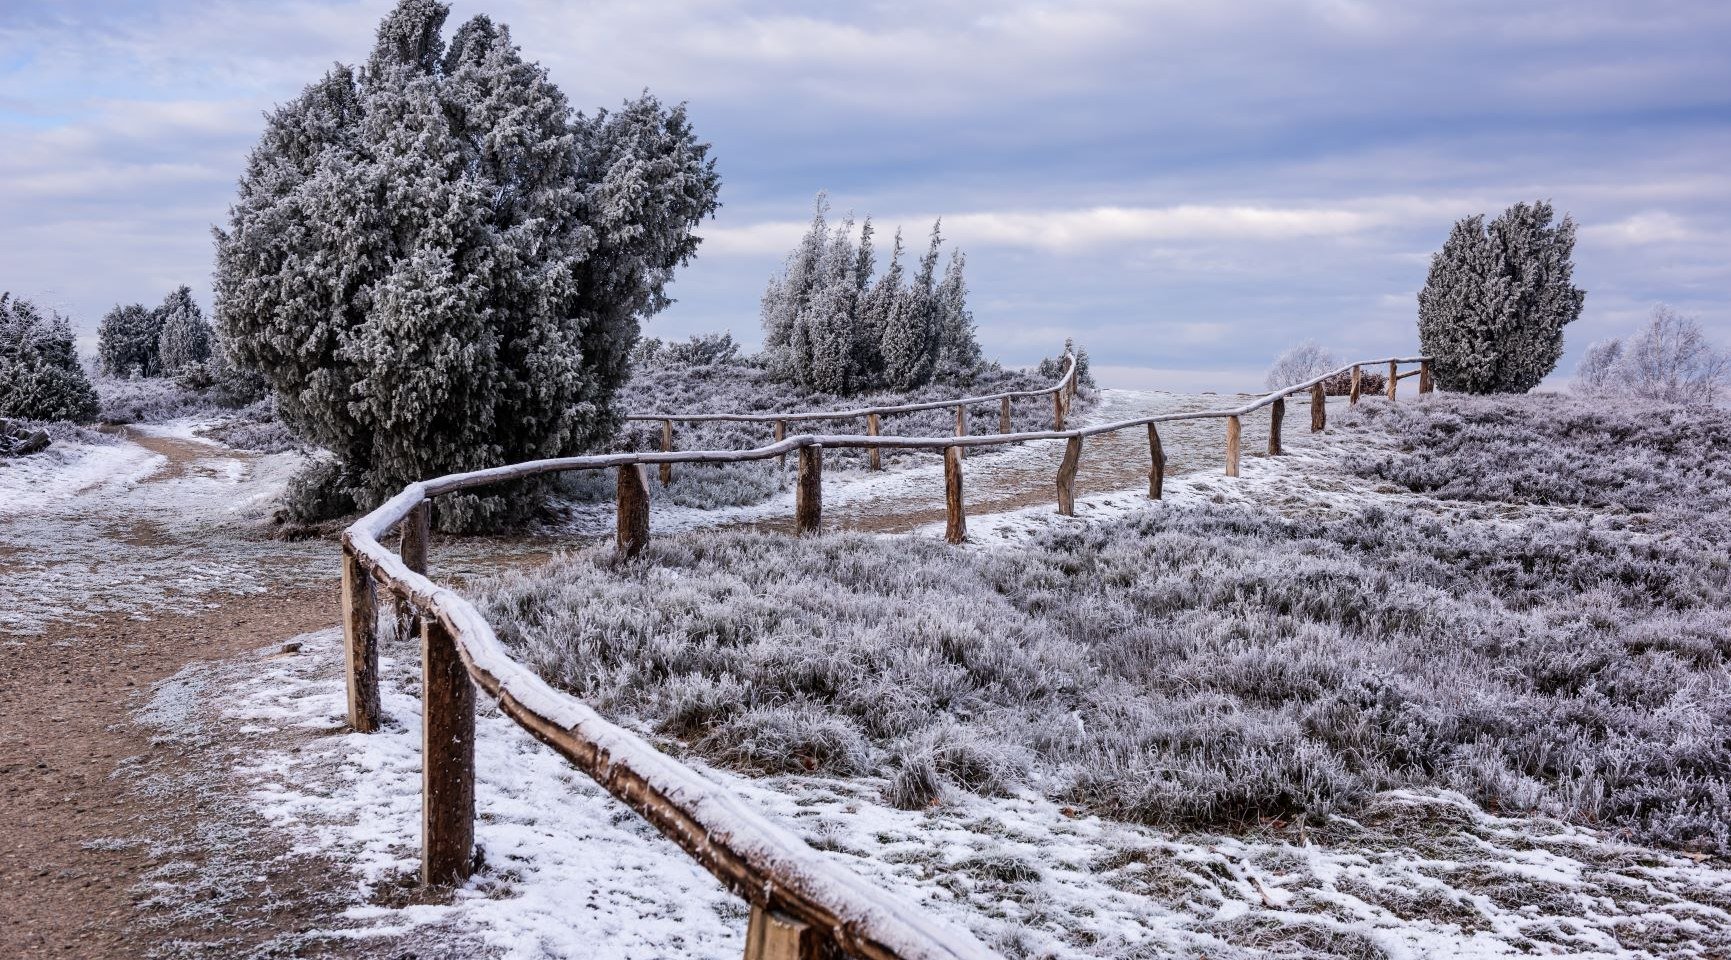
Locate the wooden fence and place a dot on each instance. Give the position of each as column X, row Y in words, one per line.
column 802, row 905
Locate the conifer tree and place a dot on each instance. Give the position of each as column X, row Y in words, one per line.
column 40, row 378
column 828, row 320
column 911, row 337
column 439, row 266
column 959, row 350
column 784, row 302
column 1493, row 308
column 127, row 340
column 877, row 304
column 185, row 336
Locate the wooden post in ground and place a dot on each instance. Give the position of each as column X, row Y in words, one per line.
column 1004, row 416
column 808, row 493
column 1156, row 464
column 1424, row 381
column 414, row 533
column 447, row 759
column 1067, row 476
column 666, row 447
column 360, row 644
column 961, row 424
column 1233, row 431
column 775, row 936
column 1393, row 379
column 1357, row 379
column 874, row 456
column 1318, row 408
column 955, row 518
column 780, row 435
column 1057, row 409
column 1278, row 415
column 632, row 532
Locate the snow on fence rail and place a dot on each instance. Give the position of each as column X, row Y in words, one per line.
column 802, row 904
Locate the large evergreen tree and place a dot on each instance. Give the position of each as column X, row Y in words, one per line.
column 1492, row 311
column 40, row 378
column 439, row 266
column 185, row 336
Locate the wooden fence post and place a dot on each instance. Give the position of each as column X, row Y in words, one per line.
column 1357, row 378
column 666, row 447
column 874, row 456
column 360, row 644
column 1424, row 381
column 773, row 936
column 413, row 535
column 632, row 532
column 1318, row 408
column 1233, row 431
column 780, row 435
column 1278, row 416
column 1393, row 379
column 1004, row 416
column 808, row 493
column 1067, row 477
column 1057, row 409
column 447, row 759
column 955, row 518
column 961, row 424
column 1156, row 464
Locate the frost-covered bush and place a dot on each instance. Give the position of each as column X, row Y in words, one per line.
column 1300, row 363
column 40, row 377
column 828, row 326
column 1670, row 359
column 440, row 267
column 184, row 338
column 153, row 400
column 1206, row 665
column 127, row 341
column 1492, row 311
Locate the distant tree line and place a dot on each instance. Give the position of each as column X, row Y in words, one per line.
column 831, row 323
column 137, row 341
column 1669, row 359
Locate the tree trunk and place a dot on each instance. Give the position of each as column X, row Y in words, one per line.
column 447, row 759
column 632, row 533
column 1278, row 416
column 1067, row 476
column 874, row 456
column 1156, row 464
column 955, row 517
column 1233, row 431
column 1318, row 408
column 808, row 494
column 666, row 447
column 360, row 644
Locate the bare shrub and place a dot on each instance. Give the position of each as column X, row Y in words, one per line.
column 1670, row 359
column 1300, row 363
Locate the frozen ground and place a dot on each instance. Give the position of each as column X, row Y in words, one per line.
column 1409, row 874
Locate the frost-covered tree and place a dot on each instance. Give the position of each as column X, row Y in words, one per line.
column 439, row 266
column 911, row 337
column 1300, row 363
column 826, row 356
column 184, row 338
column 40, row 377
column 958, row 348
column 127, row 341
column 786, row 297
column 1493, row 308
column 1670, row 359
column 877, row 304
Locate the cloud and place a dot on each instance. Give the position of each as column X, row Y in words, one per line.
column 1657, row 226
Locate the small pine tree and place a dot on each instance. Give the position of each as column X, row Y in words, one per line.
column 785, row 342
column 184, row 338
column 959, row 350
column 828, row 320
column 1493, row 308
column 911, row 337
column 876, row 305
column 40, row 378
column 127, row 341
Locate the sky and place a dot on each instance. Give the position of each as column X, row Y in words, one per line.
column 1186, row 187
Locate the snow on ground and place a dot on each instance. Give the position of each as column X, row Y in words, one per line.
column 571, row 873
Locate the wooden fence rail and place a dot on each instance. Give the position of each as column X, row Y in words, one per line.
column 803, row 905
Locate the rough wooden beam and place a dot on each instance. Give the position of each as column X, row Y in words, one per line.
column 1318, row 408
column 666, row 447
column 1067, row 476
column 1057, row 409
column 874, row 456
column 414, row 533
column 961, row 425
column 808, row 494
column 447, row 759
column 1393, row 379
column 1004, row 416
column 1424, row 380
column 1357, row 380
column 1234, row 429
column 780, row 435
column 632, row 533
column 1156, row 464
column 360, row 645
column 955, row 515
column 775, row 936
column 1277, row 415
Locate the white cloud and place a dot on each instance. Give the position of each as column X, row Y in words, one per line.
column 1654, row 226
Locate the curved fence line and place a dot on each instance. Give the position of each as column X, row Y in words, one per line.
column 802, row 903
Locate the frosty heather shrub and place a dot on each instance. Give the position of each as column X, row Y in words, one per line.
column 439, row 266
column 40, row 377
column 1212, row 664
column 1493, row 308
